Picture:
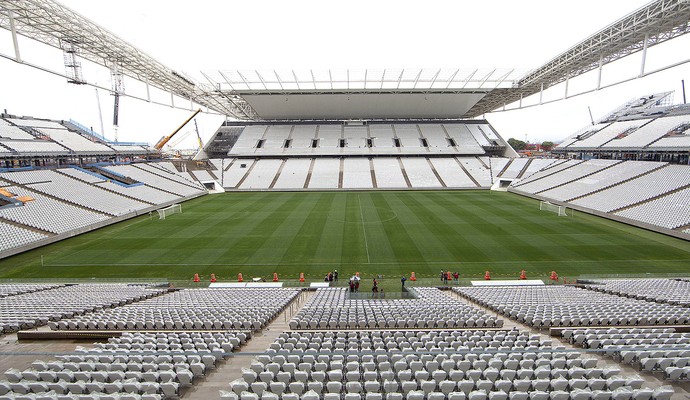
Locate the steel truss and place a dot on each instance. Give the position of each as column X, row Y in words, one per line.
column 655, row 23
column 51, row 23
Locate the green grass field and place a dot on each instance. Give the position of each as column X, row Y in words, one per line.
column 389, row 233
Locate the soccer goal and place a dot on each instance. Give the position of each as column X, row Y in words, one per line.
column 560, row 210
column 173, row 209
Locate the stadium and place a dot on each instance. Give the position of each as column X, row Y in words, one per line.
column 344, row 234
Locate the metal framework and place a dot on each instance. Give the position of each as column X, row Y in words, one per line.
column 440, row 80
column 51, row 23
column 655, row 23
column 58, row 26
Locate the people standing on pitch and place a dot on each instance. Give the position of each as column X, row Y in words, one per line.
column 382, row 294
column 352, row 286
column 402, row 280
column 335, row 275
column 442, row 275
column 456, row 277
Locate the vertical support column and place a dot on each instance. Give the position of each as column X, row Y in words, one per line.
column 601, row 67
column 13, row 29
column 172, row 100
column 644, row 54
column 148, row 91
column 567, row 81
column 541, row 94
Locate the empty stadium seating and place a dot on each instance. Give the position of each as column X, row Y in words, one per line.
column 514, row 169
column 670, row 211
column 48, row 214
column 647, row 133
column 566, row 175
column 167, row 181
column 75, row 142
column 34, row 147
column 418, row 365
column 333, row 309
column 635, row 134
column 355, row 173
column 643, row 188
column 650, row 349
column 545, row 307
column 14, row 236
column 609, row 134
column 601, row 180
column 672, row 291
column 135, row 365
column 32, row 309
column 85, row 195
column 458, row 138
column 43, row 138
column 191, row 309
column 73, row 199
column 35, row 123
column 13, row 289
column 9, row 131
column 653, row 193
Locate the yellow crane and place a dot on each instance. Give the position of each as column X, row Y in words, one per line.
column 164, row 140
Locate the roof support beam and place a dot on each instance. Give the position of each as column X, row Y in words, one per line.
column 13, row 30
column 655, row 23
column 51, row 23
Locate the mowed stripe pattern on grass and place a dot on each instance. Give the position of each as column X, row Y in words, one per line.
column 389, row 233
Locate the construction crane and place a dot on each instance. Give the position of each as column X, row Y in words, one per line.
column 162, row 142
column 179, row 138
column 198, row 137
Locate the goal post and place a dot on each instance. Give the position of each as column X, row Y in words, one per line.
column 173, row 209
column 562, row 211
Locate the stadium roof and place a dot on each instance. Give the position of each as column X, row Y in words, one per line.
column 345, row 94
column 369, row 93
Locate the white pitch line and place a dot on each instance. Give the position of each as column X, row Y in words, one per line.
column 364, row 229
column 354, row 263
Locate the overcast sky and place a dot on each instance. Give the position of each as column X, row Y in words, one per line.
column 208, row 35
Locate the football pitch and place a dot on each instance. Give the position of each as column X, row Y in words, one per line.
column 375, row 233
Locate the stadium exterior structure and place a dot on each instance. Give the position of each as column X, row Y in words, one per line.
column 38, row 142
column 646, row 128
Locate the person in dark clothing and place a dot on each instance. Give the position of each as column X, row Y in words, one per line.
column 335, row 275
column 402, row 281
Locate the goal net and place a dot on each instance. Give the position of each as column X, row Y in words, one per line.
column 560, row 210
column 173, row 209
